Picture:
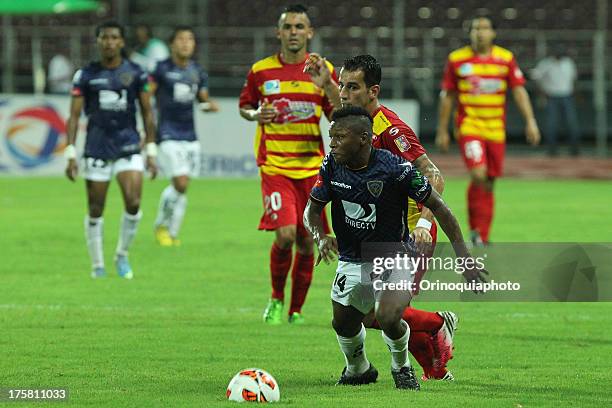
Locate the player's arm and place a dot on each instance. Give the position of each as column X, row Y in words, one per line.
column 265, row 113
column 433, row 174
column 451, row 228
column 251, row 106
column 144, row 99
column 327, row 244
column 72, row 128
column 419, row 189
column 316, row 66
column 447, row 99
column 206, row 104
column 521, row 97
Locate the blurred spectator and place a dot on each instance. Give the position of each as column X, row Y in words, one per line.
column 59, row 75
column 556, row 76
column 149, row 50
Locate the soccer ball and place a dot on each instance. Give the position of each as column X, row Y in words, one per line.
column 253, row 385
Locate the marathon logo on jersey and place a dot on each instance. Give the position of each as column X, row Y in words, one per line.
column 375, row 187
column 293, row 111
column 174, row 76
column 99, row 81
column 342, row 185
column 113, row 100
column 271, row 87
column 402, row 143
column 359, row 216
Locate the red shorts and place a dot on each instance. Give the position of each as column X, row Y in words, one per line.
column 479, row 152
column 284, row 202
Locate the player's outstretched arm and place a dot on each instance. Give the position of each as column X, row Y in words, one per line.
column 451, row 228
column 447, row 99
column 327, row 245
column 316, row 67
column 144, row 98
column 76, row 106
column 532, row 132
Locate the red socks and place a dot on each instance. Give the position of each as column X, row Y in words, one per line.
column 301, row 276
column 280, row 262
column 480, row 210
column 419, row 345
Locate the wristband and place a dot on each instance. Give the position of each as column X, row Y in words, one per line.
column 423, row 223
column 70, row 152
column 151, row 149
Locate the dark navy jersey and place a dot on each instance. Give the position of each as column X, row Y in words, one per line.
column 110, row 106
column 177, row 89
column 369, row 205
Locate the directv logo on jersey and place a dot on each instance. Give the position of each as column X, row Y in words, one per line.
column 335, row 183
column 113, row 100
column 360, row 216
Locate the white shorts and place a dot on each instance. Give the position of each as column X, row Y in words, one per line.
column 356, row 285
column 104, row 170
column 180, row 158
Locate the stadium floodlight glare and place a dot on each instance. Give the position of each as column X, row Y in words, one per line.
column 47, row 6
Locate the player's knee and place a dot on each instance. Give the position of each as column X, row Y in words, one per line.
column 285, row 237
column 305, row 244
column 180, row 185
column 132, row 205
column 480, row 177
column 368, row 321
column 342, row 328
column 96, row 210
column 388, row 315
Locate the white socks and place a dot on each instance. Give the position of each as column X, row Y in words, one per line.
column 172, row 206
column 166, row 205
column 180, row 205
column 398, row 349
column 353, row 349
column 129, row 225
column 93, row 235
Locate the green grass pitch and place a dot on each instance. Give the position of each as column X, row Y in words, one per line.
column 191, row 318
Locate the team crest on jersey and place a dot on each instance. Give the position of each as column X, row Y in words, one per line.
column 375, row 187
column 293, row 111
column 271, row 87
column 402, row 143
column 126, row 78
column 466, row 69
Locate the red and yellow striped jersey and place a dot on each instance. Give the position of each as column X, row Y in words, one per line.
column 291, row 145
column 481, row 83
column 393, row 134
